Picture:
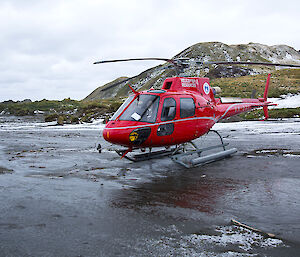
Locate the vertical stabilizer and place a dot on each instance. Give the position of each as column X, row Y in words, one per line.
column 267, row 87
column 265, row 108
column 266, row 113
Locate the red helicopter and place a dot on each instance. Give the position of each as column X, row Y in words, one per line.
column 184, row 109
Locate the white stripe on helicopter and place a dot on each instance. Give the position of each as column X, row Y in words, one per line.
column 166, row 122
column 188, row 119
column 227, row 110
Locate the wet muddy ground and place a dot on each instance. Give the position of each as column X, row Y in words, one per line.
column 60, row 197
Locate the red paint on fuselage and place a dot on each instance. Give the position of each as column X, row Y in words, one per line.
column 185, row 129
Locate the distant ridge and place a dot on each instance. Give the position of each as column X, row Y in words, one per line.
column 207, row 51
column 106, row 94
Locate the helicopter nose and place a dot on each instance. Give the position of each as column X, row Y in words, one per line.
column 127, row 137
column 111, row 136
column 116, row 136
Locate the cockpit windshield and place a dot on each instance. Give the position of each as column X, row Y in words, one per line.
column 144, row 108
column 122, row 107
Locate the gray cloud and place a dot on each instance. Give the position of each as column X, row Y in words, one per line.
column 48, row 47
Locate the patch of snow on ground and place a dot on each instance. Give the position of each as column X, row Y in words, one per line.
column 261, row 127
column 19, row 125
column 241, row 237
column 225, row 241
column 227, row 56
column 291, row 58
column 288, row 101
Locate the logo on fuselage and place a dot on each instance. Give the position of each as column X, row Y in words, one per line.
column 206, row 88
column 133, row 136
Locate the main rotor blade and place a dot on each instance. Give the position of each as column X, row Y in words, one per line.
column 137, row 59
column 251, row 63
column 115, row 84
column 125, row 80
column 180, row 63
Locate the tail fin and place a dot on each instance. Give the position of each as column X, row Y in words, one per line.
column 265, row 108
column 267, row 87
column 266, row 113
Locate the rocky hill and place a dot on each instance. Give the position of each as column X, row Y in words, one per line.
column 210, row 51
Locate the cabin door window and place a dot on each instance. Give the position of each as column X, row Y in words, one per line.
column 169, row 109
column 187, row 107
column 168, row 113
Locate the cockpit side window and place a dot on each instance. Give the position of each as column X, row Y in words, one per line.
column 169, row 109
column 144, row 108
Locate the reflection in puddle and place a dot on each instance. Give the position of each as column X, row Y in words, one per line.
column 198, row 193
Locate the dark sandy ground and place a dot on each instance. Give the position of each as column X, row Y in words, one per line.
column 60, row 197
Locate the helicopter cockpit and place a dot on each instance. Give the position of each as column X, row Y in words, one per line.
column 143, row 108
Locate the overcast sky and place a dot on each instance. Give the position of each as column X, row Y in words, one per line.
column 47, row 47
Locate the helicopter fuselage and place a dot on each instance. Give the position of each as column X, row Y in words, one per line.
column 183, row 110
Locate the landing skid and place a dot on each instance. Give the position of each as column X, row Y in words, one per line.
column 146, row 156
column 184, row 156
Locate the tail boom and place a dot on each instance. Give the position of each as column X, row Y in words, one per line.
column 247, row 104
column 228, row 110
